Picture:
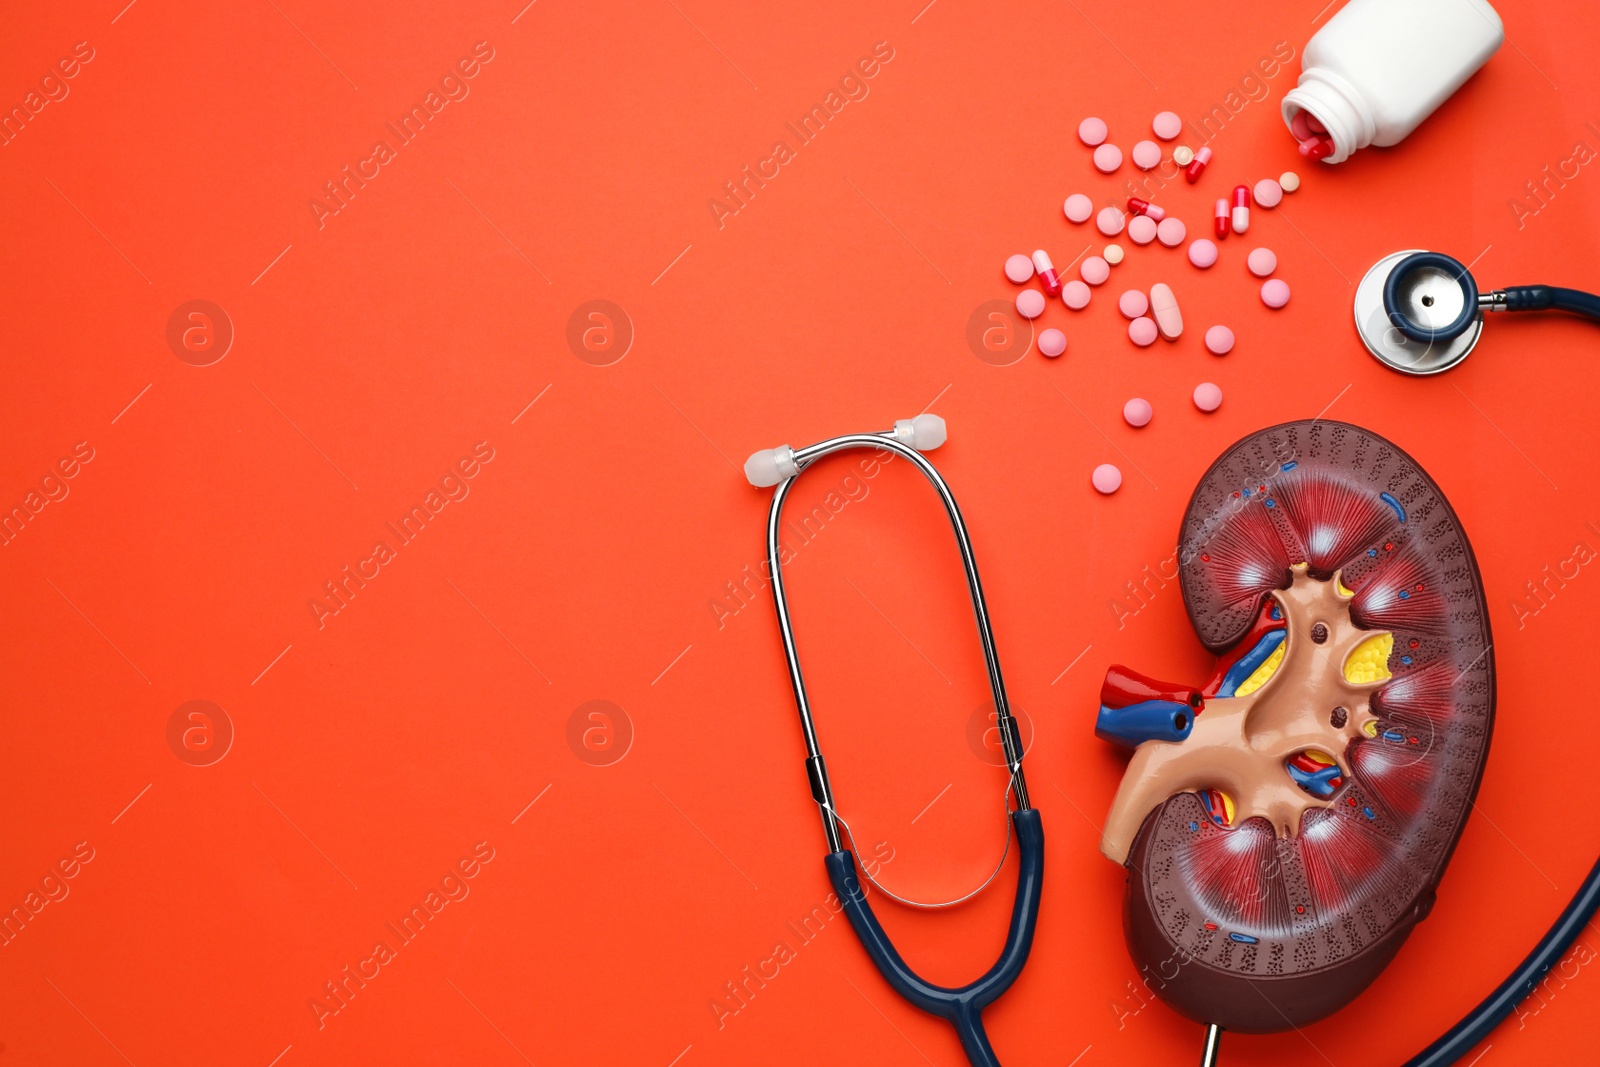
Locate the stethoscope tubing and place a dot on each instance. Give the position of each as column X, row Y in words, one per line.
column 961, row 1006
column 1497, row 1006
column 822, row 789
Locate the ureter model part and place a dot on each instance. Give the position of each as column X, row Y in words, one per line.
column 1272, row 738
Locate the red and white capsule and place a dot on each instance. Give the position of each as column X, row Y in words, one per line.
column 1241, row 208
column 1047, row 273
column 1154, row 212
column 1197, row 166
column 1221, row 219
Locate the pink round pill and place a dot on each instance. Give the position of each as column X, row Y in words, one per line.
column 1078, row 207
column 1052, row 343
column 1133, row 303
column 1075, row 295
column 1207, row 397
column 1261, row 261
column 1107, row 158
column 1092, row 131
column 1171, row 231
column 1109, row 221
column 1137, row 411
column 1030, row 303
column 1146, row 154
column 1094, row 270
column 1166, row 125
column 1106, row 478
column 1268, row 193
column 1219, row 340
column 1202, row 252
column 1019, row 268
column 1141, row 230
column 1142, row 331
column 1274, row 292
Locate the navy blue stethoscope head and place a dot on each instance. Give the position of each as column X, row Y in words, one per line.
column 1422, row 312
column 1431, row 297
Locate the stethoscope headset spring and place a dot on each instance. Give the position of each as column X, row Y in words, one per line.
column 961, row 1006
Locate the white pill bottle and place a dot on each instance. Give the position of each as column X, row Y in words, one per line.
column 1379, row 67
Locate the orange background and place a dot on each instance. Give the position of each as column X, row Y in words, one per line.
column 373, row 352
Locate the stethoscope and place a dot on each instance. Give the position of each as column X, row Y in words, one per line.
column 962, row 1007
column 1422, row 312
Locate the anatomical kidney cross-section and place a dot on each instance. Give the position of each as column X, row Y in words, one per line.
column 1285, row 824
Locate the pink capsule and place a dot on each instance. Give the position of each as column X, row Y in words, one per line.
column 1047, row 273
column 1221, row 217
column 1317, row 146
column 1137, row 206
column 1241, row 208
column 1197, row 166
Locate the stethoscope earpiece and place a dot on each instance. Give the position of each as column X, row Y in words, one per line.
column 770, row 466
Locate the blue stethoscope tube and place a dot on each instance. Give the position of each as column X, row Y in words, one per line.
column 1466, row 1034
column 962, row 1006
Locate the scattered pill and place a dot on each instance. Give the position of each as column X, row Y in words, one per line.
column 1207, row 396
column 1075, row 295
column 1137, row 206
column 1166, row 125
column 1052, row 343
column 1171, row 231
column 1288, row 181
column 1142, row 229
column 1202, row 253
column 1094, row 270
column 1030, row 303
column 1137, row 412
column 1219, row 340
column 1268, row 193
column 1109, row 221
column 1241, row 208
column 1112, row 253
column 1146, row 155
column 1183, row 155
column 1164, row 306
column 1197, row 166
column 1132, row 303
column 1261, row 261
column 1078, row 208
column 1019, row 268
column 1221, row 217
column 1274, row 292
column 1047, row 273
column 1092, row 131
column 1107, row 158
column 1106, row 478
column 1143, row 331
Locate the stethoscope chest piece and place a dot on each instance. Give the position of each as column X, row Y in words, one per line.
column 1437, row 300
